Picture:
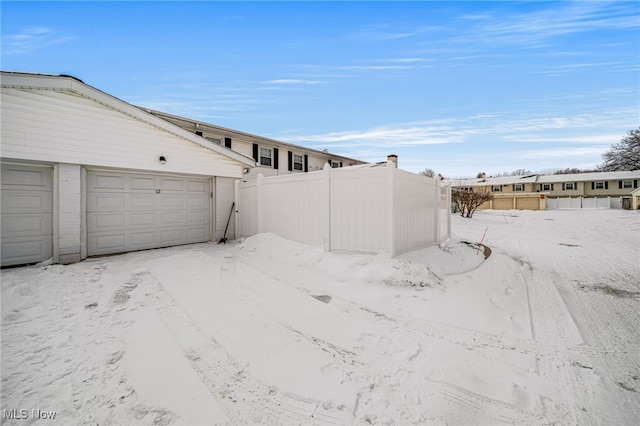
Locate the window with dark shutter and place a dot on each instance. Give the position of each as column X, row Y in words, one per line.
column 255, row 151
column 275, row 158
column 227, row 142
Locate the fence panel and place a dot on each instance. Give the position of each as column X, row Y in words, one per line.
column 415, row 203
column 294, row 207
column 247, row 209
column 359, row 213
column 589, row 203
column 603, row 203
column 552, row 203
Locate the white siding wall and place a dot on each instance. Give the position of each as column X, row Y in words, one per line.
column 242, row 147
column 51, row 126
column 69, row 212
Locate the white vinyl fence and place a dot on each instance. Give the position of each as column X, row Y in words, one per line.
column 584, row 203
column 351, row 209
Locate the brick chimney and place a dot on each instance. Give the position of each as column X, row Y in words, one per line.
column 392, row 158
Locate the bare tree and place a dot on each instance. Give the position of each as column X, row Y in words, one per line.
column 521, row 172
column 428, row 173
column 624, row 155
column 468, row 201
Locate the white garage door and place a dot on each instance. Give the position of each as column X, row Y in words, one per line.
column 132, row 211
column 27, row 219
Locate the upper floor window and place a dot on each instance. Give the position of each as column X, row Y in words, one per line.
column 217, row 141
column 598, row 185
column 518, row 187
column 547, row 187
column 297, row 162
column 627, row 184
column 569, row 186
column 496, row 188
column 265, row 157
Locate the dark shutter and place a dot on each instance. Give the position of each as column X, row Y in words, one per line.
column 199, row 133
column 255, row 151
column 341, row 164
column 575, row 185
column 563, row 188
column 290, row 156
column 593, row 185
column 552, row 187
column 619, row 184
column 275, row 158
column 306, row 163
column 635, row 183
column 606, row 185
column 227, row 142
column 513, row 188
column 329, row 161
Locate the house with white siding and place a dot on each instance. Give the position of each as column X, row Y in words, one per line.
column 85, row 173
column 273, row 157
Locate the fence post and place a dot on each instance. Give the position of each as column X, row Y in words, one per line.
column 436, row 217
column 236, row 199
column 326, row 238
column 449, row 210
column 259, row 203
column 391, row 208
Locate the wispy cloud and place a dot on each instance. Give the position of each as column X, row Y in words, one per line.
column 31, row 39
column 292, row 81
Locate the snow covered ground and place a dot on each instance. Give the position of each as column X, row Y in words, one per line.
column 545, row 330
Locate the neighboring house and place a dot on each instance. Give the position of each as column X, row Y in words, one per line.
column 635, row 199
column 509, row 192
column 273, row 157
column 85, row 173
column 531, row 192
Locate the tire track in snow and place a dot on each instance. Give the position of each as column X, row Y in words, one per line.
column 244, row 399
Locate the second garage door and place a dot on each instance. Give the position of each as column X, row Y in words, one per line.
column 530, row 203
column 503, row 203
column 135, row 211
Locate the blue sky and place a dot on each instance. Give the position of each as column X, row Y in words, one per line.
column 459, row 87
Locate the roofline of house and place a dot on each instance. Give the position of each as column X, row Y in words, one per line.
column 569, row 177
column 21, row 80
column 249, row 136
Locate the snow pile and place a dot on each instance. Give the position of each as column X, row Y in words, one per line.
column 270, row 331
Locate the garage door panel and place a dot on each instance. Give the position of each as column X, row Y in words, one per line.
column 30, row 225
column 26, row 202
column 20, row 250
column 197, row 186
column 194, row 234
column 143, row 240
column 166, row 184
column 32, row 179
column 142, row 201
column 107, row 243
column 172, row 218
column 198, row 218
column 503, row 204
column 147, row 183
column 150, row 211
column 171, row 202
column 106, row 181
column 27, row 214
column 528, row 203
column 169, row 237
column 105, row 202
column 197, row 202
column 142, row 220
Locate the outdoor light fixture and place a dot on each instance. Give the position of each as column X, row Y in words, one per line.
column 162, row 159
